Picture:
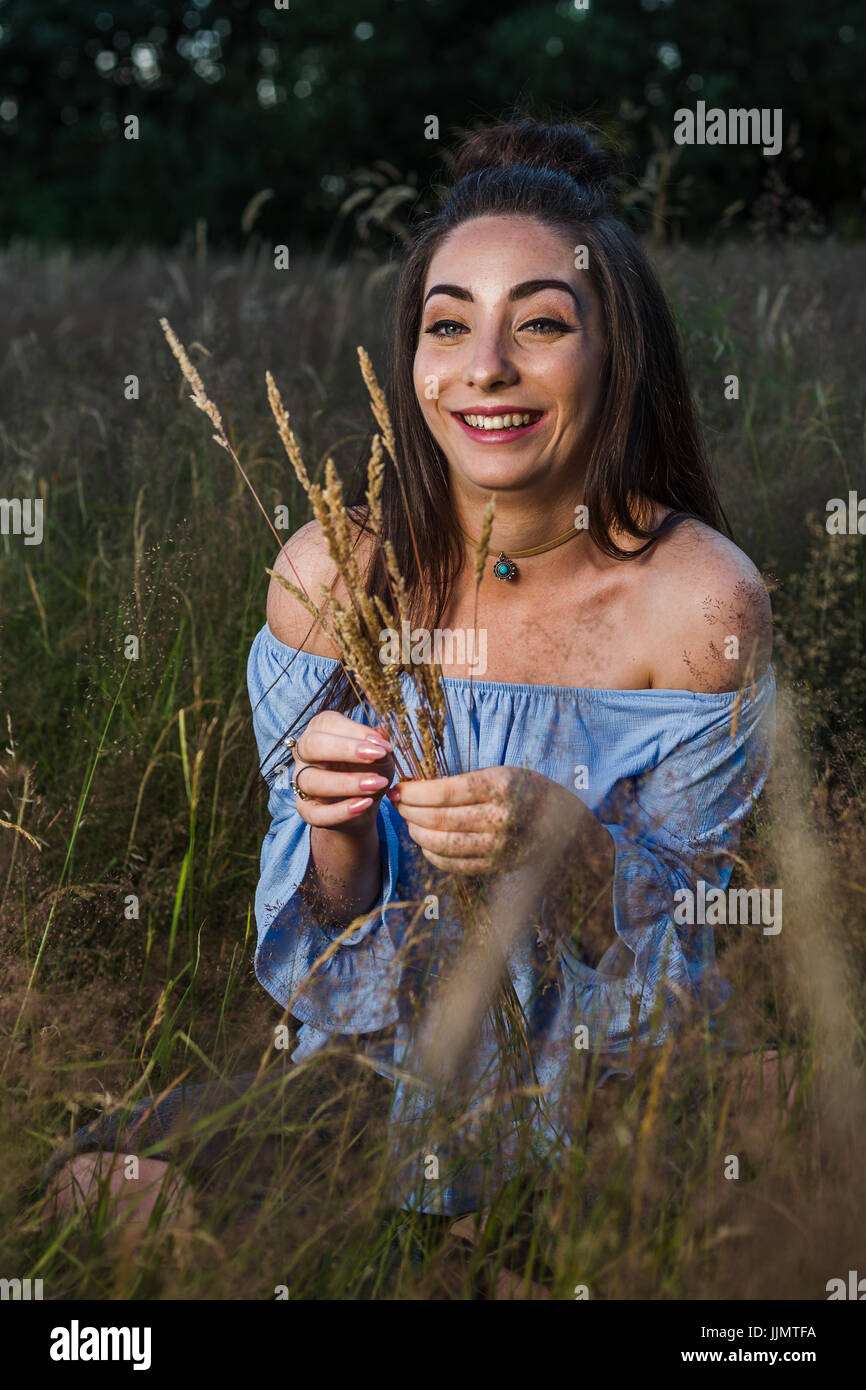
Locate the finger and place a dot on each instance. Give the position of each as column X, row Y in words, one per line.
column 472, row 819
column 333, row 723
column 318, row 745
column 324, row 783
column 478, row 867
column 328, row 814
column 447, row 843
column 464, row 789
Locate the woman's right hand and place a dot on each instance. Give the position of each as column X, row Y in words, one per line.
column 344, row 768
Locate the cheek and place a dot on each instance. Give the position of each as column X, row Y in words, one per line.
column 429, row 381
column 419, row 375
column 582, row 384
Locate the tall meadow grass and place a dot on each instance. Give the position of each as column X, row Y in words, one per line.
column 122, row 777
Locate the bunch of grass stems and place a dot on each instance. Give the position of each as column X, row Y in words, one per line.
column 353, row 628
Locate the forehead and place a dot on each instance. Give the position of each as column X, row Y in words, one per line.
column 502, row 249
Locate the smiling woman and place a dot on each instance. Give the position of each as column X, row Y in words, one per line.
column 624, row 725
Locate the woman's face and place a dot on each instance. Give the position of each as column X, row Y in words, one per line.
column 509, row 329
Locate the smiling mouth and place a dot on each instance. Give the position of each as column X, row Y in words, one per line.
column 507, row 421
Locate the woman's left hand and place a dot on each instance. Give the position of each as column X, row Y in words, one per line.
column 483, row 821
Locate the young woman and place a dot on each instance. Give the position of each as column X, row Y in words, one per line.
column 623, row 726
column 627, row 703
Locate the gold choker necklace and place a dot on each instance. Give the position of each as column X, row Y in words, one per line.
column 504, row 566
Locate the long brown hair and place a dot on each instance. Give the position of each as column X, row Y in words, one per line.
column 647, row 442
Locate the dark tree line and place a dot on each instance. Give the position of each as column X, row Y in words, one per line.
column 235, row 96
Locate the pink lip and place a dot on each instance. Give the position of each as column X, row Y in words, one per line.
column 497, row 436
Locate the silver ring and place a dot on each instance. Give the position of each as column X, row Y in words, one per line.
column 291, row 743
column 299, row 791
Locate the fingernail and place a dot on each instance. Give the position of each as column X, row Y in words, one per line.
column 393, row 795
column 371, row 750
column 355, row 807
column 373, row 783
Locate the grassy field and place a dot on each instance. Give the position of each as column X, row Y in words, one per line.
column 139, row 777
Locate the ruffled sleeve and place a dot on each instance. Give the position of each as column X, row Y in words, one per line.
column 673, row 825
column 352, row 991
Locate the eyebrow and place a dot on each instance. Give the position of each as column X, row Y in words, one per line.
column 521, row 291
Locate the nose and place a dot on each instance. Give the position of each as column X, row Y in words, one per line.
column 489, row 365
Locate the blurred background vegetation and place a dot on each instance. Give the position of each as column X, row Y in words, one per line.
column 237, row 96
column 306, row 126
column 134, row 776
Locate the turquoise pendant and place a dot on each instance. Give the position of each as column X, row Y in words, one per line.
column 504, row 568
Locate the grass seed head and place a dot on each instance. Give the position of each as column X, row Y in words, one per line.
column 428, row 762
column 377, row 402
column 375, row 478
column 388, row 618
column 289, row 442
column 397, row 583
column 199, row 394
column 304, row 599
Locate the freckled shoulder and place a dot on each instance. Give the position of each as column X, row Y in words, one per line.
column 712, row 623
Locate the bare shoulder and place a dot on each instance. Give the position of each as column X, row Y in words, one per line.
column 305, row 562
column 711, row 620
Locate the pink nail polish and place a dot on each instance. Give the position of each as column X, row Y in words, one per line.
column 373, row 783
column 356, row 807
column 393, row 795
column 371, row 750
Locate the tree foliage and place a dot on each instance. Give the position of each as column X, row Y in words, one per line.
column 234, row 96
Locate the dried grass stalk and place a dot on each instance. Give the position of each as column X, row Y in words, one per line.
column 483, row 548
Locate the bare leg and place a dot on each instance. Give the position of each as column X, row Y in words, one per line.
column 133, row 1187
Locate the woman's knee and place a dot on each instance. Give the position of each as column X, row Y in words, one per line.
column 130, row 1186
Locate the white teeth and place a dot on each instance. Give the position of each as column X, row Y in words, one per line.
column 498, row 422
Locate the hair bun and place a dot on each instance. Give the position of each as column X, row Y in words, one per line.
column 568, row 149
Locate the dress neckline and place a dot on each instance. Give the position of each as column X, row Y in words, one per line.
column 479, row 684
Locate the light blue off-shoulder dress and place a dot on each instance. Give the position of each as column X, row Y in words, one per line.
column 670, row 774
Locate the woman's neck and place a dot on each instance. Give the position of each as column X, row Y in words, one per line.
column 521, row 523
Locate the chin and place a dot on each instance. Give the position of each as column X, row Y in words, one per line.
column 497, row 476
